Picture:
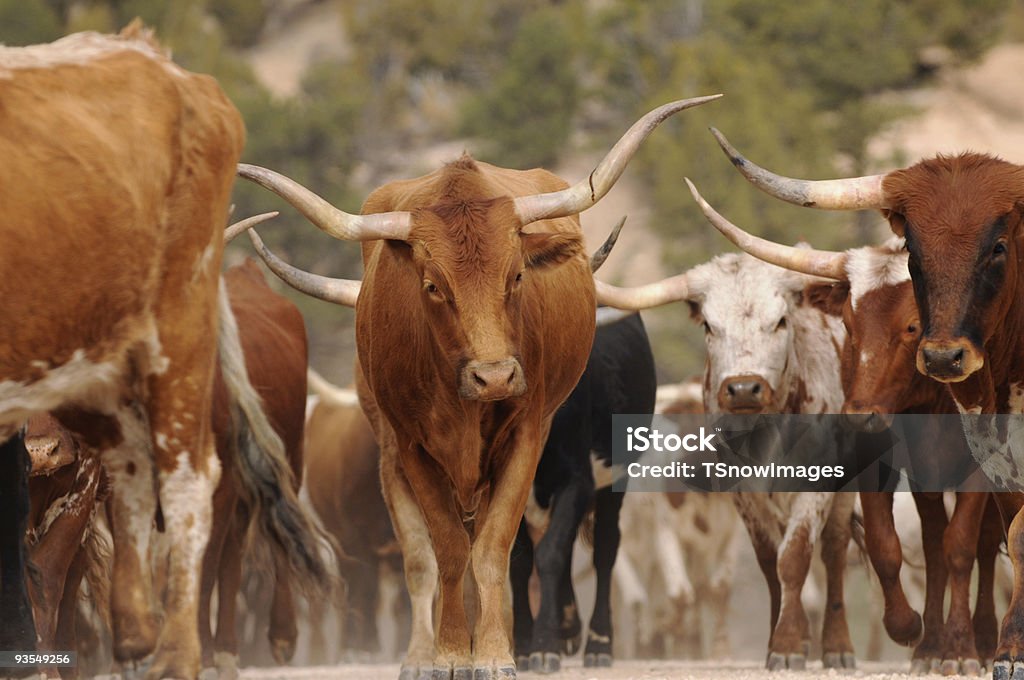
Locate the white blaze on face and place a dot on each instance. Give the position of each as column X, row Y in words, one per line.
column 873, row 267
column 746, row 305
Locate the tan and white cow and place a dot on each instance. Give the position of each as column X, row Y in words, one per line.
column 115, row 184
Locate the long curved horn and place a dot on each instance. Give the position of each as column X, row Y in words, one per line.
column 822, row 263
column 589, row 191
column 643, row 297
column 339, row 291
column 337, row 223
column 602, row 253
column 248, row 223
column 855, row 193
column 606, row 316
column 329, row 392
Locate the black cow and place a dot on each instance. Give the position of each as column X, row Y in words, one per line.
column 619, row 378
column 17, row 628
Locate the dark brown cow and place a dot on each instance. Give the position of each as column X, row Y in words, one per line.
column 273, row 340
column 120, row 339
column 473, row 324
column 342, row 482
column 962, row 219
column 874, row 298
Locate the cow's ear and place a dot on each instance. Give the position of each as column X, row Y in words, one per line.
column 897, row 222
column 829, row 298
column 549, row 250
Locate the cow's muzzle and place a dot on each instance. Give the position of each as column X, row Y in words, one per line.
column 948, row 362
column 491, row 380
column 863, row 418
column 744, row 394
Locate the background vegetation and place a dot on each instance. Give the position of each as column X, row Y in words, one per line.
column 534, row 80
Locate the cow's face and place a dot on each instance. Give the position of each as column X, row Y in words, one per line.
column 50, row 446
column 744, row 306
column 961, row 216
column 883, row 330
column 475, row 268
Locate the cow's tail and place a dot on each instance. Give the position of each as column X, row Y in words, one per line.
column 859, row 540
column 266, row 477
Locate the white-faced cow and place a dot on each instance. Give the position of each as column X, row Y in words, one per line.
column 115, row 182
column 872, row 294
column 473, row 324
column 963, row 220
column 770, row 351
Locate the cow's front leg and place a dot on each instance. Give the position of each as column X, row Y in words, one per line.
column 791, row 639
column 433, row 490
column 608, row 503
column 496, row 529
column 836, row 646
column 1009, row 660
column 418, row 558
column 959, row 547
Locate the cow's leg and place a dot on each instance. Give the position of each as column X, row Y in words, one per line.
column 607, row 504
column 17, row 628
column 932, row 512
column 497, row 524
column 570, row 628
column 1009, row 659
column 791, row 640
column 188, row 471
column 766, row 551
column 520, row 569
column 836, row 646
column 418, row 558
column 360, row 572
column 132, row 508
column 64, row 637
column 959, row 545
column 552, row 557
column 284, row 631
column 986, row 625
column 225, row 501
column 452, row 547
column 229, row 583
column 902, row 623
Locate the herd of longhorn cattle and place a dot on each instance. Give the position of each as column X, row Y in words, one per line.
column 153, row 408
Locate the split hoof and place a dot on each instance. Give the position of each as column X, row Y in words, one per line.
column 781, row 662
column 840, row 660
column 544, row 662
column 597, row 660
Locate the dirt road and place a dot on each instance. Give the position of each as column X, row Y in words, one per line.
column 627, row 670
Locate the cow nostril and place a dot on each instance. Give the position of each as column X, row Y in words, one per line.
column 731, row 389
column 756, row 389
column 958, row 356
column 511, row 377
column 479, row 381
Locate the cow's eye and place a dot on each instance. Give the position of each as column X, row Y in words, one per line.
column 912, row 328
column 519, row 278
column 431, row 289
column 999, row 248
column 781, row 325
column 707, row 328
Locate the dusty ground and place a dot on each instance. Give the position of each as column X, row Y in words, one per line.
column 629, row 670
